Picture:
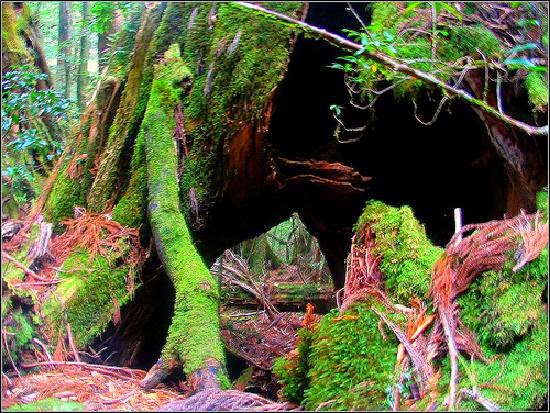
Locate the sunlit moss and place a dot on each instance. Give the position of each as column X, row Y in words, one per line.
column 193, row 336
column 47, row 405
column 407, row 253
column 537, row 88
column 350, row 362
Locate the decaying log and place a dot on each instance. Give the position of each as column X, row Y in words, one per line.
column 284, row 296
column 310, row 174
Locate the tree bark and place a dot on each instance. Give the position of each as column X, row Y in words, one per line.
column 82, row 79
column 63, row 47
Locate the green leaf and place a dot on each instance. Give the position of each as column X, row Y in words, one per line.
column 519, row 63
column 521, row 48
column 337, row 109
column 450, row 9
column 413, row 5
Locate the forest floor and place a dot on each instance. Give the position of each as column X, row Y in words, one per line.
column 98, row 389
column 249, row 336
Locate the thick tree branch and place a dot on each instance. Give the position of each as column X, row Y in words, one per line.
column 387, row 61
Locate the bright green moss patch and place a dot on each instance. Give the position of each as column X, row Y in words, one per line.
column 87, row 295
column 293, row 373
column 403, row 35
column 542, row 204
column 193, row 337
column 130, row 210
column 505, row 311
column 518, row 383
column 501, row 307
column 537, row 88
column 66, row 194
column 47, row 405
column 350, row 362
column 407, row 253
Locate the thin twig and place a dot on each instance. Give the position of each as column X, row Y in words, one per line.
column 44, row 348
column 71, row 343
column 436, row 114
column 111, row 370
column 499, row 97
column 5, row 339
column 489, row 405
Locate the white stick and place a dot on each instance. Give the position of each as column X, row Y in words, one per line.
column 458, row 223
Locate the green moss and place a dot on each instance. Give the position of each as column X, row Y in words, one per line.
column 12, row 24
column 505, row 312
column 66, row 192
column 130, row 210
column 465, row 40
column 502, row 307
column 86, row 295
column 453, row 43
column 127, row 120
column 537, row 88
column 20, row 332
column 518, row 380
column 542, row 204
column 292, row 374
column 47, row 405
column 407, row 253
column 350, row 362
column 193, row 337
column 237, row 83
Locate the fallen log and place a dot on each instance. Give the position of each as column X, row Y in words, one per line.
column 284, row 296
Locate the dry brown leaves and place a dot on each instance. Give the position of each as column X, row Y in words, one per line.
column 97, row 234
column 97, row 390
column 259, row 340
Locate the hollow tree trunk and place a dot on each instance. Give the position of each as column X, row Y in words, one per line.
column 191, row 159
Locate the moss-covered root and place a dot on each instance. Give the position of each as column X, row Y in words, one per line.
column 194, row 336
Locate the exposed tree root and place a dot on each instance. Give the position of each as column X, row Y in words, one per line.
column 225, row 401
column 193, row 340
column 465, row 258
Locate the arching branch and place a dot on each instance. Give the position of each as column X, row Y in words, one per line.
column 393, row 64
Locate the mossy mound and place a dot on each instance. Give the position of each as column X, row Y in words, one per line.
column 346, row 359
column 88, row 295
column 348, row 362
column 407, row 253
column 505, row 311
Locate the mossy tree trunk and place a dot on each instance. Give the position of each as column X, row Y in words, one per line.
column 194, row 336
column 130, row 157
